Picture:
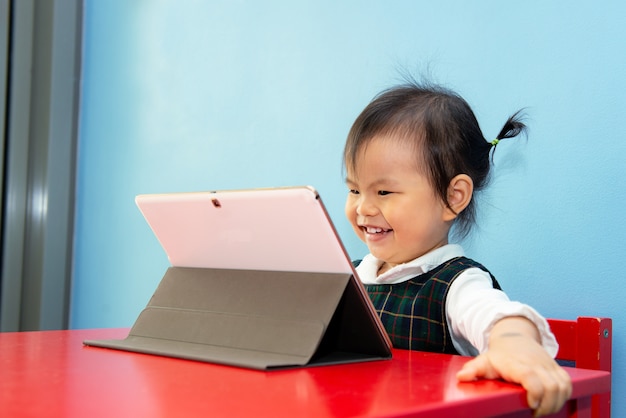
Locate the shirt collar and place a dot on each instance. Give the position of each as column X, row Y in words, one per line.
column 368, row 269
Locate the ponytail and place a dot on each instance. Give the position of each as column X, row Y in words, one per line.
column 513, row 126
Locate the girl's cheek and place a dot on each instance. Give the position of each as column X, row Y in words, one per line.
column 348, row 208
column 351, row 203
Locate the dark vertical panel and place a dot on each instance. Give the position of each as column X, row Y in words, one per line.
column 62, row 139
column 4, row 63
column 16, row 163
column 4, row 72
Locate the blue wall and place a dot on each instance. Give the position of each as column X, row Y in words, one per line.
column 182, row 95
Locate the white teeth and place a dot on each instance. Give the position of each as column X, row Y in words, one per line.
column 371, row 230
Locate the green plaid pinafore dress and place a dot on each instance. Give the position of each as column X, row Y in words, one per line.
column 413, row 312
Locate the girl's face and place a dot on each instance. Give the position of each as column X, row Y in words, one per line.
column 392, row 206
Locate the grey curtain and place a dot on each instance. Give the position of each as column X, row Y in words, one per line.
column 40, row 57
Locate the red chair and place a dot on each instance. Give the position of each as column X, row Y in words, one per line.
column 587, row 343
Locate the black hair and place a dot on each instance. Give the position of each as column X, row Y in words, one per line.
column 444, row 131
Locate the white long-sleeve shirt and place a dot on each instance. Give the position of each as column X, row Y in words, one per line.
column 473, row 306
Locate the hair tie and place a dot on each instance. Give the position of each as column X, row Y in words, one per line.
column 495, row 142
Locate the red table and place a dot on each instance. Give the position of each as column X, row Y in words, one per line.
column 51, row 374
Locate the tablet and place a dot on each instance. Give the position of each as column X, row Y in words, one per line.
column 258, row 279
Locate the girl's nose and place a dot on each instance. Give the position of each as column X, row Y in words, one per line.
column 366, row 207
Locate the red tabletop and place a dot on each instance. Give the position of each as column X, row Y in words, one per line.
column 51, row 374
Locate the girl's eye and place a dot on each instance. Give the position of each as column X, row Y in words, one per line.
column 384, row 192
column 354, row 191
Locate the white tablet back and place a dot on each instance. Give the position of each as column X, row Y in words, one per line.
column 281, row 229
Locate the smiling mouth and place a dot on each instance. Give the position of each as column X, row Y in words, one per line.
column 374, row 231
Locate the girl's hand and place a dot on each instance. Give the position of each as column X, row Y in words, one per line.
column 515, row 355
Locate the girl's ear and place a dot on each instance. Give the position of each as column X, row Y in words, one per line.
column 460, row 192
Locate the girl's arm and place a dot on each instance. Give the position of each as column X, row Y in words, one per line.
column 516, row 355
column 473, row 307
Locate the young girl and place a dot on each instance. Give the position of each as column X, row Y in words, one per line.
column 414, row 159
